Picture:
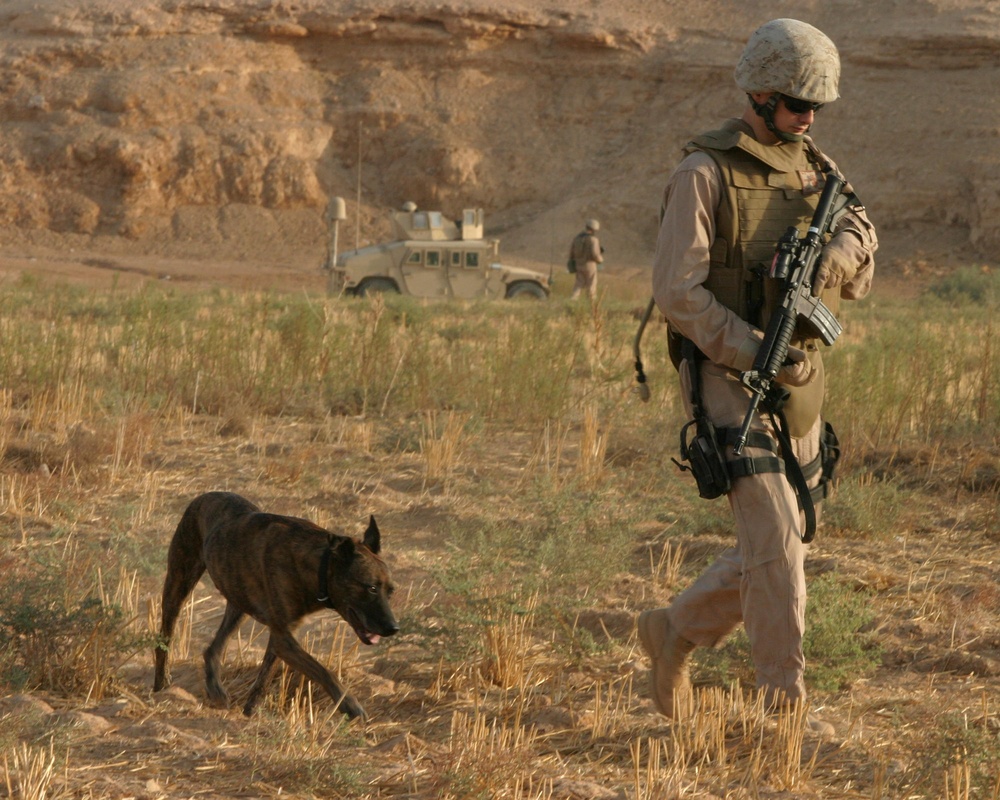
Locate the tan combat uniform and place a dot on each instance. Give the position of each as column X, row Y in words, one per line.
column 703, row 246
column 586, row 252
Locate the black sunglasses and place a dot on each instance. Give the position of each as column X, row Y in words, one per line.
column 797, row 106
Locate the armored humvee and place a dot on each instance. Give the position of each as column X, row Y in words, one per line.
column 434, row 256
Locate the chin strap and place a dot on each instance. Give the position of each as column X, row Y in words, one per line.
column 766, row 112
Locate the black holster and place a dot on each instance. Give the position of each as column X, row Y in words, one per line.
column 705, row 459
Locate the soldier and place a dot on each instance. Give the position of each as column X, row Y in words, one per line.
column 585, row 253
column 724, row 207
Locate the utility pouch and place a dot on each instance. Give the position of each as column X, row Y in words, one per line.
column 705, row 459
column 571, row 265
column 829, row 451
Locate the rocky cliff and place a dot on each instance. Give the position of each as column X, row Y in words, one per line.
column 218, row 129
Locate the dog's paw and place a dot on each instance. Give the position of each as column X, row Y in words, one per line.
column 351, row 707
column 219, row 697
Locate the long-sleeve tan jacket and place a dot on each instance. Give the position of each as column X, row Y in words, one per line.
column 681, row 263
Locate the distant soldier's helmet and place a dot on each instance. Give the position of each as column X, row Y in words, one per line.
column 792, row 58
column 592, row 225
column 409, row 205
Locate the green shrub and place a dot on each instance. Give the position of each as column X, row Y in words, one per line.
column 978, row 285
column 837, row 649
column 51, row 638
column 863, row 506
column 959, row 742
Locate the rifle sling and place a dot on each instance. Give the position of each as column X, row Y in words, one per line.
column 795, row 476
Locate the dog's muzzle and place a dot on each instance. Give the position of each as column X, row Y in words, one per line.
column 367, row 631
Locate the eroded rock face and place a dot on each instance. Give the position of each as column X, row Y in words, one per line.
column 226, row 125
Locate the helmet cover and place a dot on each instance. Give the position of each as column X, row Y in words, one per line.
column 792, row 58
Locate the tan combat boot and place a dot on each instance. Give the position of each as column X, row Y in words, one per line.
column 668, row 678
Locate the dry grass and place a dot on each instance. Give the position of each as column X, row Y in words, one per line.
column 29, row 772
column 441, row 446
column 509, row 680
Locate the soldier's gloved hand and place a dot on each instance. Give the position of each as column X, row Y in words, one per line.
column 838, row 263
column 798, row 370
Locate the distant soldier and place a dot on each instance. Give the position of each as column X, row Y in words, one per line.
column 585, row 253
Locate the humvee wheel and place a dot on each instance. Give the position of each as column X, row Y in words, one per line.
column 526, row 290
column 376, row 285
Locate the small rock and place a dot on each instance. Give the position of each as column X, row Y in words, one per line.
column 24, row 705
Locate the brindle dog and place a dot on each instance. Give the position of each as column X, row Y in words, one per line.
column 277, row 569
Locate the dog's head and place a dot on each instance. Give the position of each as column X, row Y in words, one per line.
column 360, row 586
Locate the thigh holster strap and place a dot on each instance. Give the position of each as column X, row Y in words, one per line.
column 741, row 467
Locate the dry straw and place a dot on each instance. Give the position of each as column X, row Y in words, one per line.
column 722, row 731
column 554, row 442
column 666, row 570
column 508, row 640
column 613, row 708
column 492, row 757
column 441, row 446
column 547, row 457
column 656, row 773
column 593, row 446
column 29, row 772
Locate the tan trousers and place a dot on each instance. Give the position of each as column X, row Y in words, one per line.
column 760, row 581
column 586, row 280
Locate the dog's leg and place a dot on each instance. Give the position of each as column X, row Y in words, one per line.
column 284, row 645
column 216, row 692
column 185, row 566
column 263, row 678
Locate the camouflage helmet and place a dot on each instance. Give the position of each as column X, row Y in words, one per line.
column 592, row 225
column 790, row 57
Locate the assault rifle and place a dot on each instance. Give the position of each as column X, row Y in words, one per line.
column 795, row 263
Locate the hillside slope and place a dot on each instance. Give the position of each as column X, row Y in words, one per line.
column 218, row 129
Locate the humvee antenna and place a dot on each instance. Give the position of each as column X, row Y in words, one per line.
column 357, row 217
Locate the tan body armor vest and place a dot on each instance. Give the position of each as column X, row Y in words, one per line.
column 767, row 190
column 582, row 248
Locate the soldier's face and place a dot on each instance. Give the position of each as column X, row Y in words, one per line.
column 796, row 120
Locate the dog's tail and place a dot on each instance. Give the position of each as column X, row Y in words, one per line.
column 185, row 566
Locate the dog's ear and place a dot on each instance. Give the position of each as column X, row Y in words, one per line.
column 344, row 547
column 373, row 539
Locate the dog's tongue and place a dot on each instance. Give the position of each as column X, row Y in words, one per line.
column 374, row 638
